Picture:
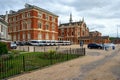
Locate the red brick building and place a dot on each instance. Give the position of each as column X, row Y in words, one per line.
column 78, row 31
column 94, row 34
column 72, row 31
column 32, row 23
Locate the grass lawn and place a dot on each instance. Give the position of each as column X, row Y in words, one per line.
column 30, row 61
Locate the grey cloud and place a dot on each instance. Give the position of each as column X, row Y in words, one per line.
column 6, row 5
column 96, row 26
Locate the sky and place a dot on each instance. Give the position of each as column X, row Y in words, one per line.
column 99, row 15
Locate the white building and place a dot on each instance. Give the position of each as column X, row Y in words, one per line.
column 3, row 30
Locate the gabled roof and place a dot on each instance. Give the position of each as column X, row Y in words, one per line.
column 3, row 21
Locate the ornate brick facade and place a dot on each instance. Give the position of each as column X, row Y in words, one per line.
column 78, row 31
column 72, row 31
column 32, row 23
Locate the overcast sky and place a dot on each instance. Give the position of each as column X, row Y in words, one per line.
column 100, row 15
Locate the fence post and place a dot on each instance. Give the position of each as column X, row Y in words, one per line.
column 84, row 51
column 28, row 48
column 23, row 63
column 34, row 48
column 51, row 59
column 67, row 54
column 44, row 48
column 70, row 50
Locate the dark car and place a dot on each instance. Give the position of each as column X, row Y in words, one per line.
column 94, row 46
column 20, row 43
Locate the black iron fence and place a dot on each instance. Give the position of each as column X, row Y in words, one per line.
column 10, row 66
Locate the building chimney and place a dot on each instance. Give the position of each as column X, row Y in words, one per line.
column 6, row 17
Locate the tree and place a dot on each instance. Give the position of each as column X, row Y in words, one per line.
column 3, row 48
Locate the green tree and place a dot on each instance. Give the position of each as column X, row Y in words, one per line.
column 3, row 48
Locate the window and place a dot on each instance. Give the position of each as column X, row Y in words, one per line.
column 15, row 28
column 24, row 25
column 53, row 19
column 2, row 28
column 39, row 14
column 23, row 15
column 23, row 36
column 29, row 36
column 47, row 27
column 62, row 34
column 18, row 36
column 29, row 24
column 53, row 28
column 83, row 33
column 10, row 19
column 10, row 29
column 47, row 36
column 14, row 38
column 62, row 30
column 28, row 14
column 72, row 33
column 53, row 37
column 14, row 18
column 18, row 26
column 47, row 17
column 18, row 17
column 39, row 25
column 39, row 36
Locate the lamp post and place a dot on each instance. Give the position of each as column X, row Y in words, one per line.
column 118, row 33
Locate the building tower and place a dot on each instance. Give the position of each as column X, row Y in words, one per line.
column 70, row 18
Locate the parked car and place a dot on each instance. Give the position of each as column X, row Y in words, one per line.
column 13, row 45
column 94, row 46
column 20, row 43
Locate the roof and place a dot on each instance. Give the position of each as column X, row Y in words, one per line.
column 97, row 37
column 28, row 7
column 94, row 32
column 3, row 21
column 72, row 23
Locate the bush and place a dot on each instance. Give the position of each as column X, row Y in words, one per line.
column 3, row 48
column 14, row 53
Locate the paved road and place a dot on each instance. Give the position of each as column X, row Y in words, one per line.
column 86, row 69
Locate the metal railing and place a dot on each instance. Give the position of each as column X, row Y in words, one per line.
column 16, row 65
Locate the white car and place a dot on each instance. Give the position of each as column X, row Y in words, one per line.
column 13, row 45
